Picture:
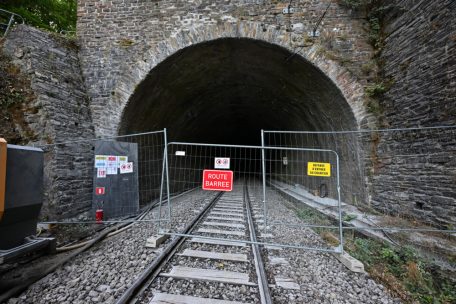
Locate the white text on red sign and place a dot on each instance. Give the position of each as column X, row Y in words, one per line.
column 218, row 180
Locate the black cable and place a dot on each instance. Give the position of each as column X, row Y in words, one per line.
column 321, row 19
column 324, row 187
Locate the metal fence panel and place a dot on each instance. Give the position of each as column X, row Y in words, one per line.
column 186, row 165
column 396, row 184
column 70, row 173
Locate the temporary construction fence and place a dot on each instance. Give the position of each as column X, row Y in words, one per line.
column 396, row 184
column 118, row 174
column 256, row 168
column 386, row 183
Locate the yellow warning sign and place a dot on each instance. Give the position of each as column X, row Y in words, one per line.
column 319, row 169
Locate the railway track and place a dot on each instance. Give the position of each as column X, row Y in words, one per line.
column 202, row 268
column 222, row 270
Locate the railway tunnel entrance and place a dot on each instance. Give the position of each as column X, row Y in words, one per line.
column 227, row 90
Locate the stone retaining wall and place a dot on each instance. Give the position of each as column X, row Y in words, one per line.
column 414, row 172
column 61, row 112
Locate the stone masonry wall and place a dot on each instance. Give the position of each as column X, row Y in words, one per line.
column 122, row 40
column 61, row 112
column 409, row 173
column 415, row 171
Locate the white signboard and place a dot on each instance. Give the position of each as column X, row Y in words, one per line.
column 180, row 153
column 222, row 163
column 111, row 170
column 126, row 168
column 101, row 172
column 122, row 160
column 112, row 162
column 101, row 161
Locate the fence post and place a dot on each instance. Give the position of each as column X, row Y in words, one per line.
column 341, row 232
column 167, row 177
column 164, row 169
column 263, row 162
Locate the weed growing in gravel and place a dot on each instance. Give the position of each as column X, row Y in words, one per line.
column 402, row 271
column 311, row 216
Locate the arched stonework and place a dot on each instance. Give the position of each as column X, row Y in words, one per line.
column 133, row 74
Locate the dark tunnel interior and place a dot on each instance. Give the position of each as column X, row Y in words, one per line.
column 225, row 91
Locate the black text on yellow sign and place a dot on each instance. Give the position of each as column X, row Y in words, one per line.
column 319, row 169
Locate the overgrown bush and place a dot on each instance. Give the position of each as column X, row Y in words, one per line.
column 51, row 15
column 403, row 271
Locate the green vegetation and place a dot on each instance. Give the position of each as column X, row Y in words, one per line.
column 12, row 94
column 377, row 89
column 312, row 216
column 349, row 217
column 15, row 99
column 402, row 271
column 374, row 11
column 51, row 15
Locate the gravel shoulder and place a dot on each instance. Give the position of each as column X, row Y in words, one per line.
column 320, row 276
column 102, row 273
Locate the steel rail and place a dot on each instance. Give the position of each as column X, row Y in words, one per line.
column 263, row 286
column 149, row 274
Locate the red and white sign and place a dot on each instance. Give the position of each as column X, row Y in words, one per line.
column 100, row 190
column 222, row 163
column 218, row 180
column 112, row 162
column 126, row 168
column 101, row 172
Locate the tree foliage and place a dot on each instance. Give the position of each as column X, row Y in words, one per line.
column 52, row 15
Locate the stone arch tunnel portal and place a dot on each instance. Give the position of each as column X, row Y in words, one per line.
column 226, row 90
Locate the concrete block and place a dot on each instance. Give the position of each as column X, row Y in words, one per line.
column 155, row 240
column 350, row 262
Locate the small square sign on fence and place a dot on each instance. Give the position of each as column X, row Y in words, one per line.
column 222, row 163
column 100, row 190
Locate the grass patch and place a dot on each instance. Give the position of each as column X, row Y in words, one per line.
column 406, row 274
column 311, row 216
column 400, row 269
column 349, row 217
